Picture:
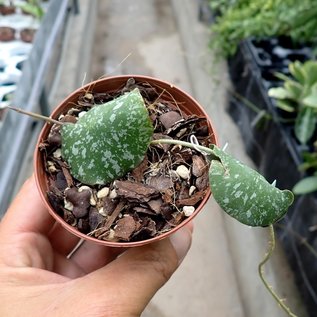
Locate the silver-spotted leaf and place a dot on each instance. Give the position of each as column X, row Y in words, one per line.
column 245, row 194
column 109, row 140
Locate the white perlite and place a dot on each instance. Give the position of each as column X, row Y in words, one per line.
column 68, row 205
column 188, row 210
column 51, row 167
column 102, row 212
column 191, row 190
column 57, row 154
column 103, row 192
column 183, row 172
column 113, row 194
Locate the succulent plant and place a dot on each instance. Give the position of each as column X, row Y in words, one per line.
column 299, row 95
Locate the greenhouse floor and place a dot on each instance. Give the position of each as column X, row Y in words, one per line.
column 165, row 39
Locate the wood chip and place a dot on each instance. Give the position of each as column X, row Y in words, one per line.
column 199, row 166
column 168, row 119
column 160, row 182
column 125, row 228
column 114, row 215
column 138, row 172
column 193, row 200
column 135, row 191
column 155, row 205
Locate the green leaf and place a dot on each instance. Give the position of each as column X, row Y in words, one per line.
column 282, row 76
column 306, row 186
column 294, row 89
column 305, row 124
column 310, row 71
column 245, row 194
column 311, row 100
column 296, row 69
column 109, row 140
column 279, row 93
column 285, row 105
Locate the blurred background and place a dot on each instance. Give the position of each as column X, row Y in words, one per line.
column 226, row 54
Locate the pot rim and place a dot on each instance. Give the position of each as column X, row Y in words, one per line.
column 38, row 159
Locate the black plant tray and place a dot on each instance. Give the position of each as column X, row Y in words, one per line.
column 274, row 149
column 277, row 52
column 297, row 230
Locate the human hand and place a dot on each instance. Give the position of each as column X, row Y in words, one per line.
column 37, row 278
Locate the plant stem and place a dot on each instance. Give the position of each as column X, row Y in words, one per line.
column 183, row 143
column 36, row 115
column 261, row 273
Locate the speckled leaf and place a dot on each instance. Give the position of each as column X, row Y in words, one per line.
column 109, row 140
column 244, row 194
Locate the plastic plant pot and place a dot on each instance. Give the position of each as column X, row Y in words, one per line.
column 186, row 104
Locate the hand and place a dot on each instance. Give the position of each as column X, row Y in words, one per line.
column 37, row 279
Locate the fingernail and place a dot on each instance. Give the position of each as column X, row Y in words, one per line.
column 181, row 241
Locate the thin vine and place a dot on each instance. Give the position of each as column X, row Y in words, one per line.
column 261, row 273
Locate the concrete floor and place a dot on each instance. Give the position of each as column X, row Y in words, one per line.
column 163, row 38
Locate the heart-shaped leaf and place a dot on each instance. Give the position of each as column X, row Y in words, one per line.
column 245, row 194
column 109, row 140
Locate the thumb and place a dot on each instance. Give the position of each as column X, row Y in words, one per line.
column 127, row 284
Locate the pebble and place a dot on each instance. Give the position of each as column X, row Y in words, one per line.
column 82, row 188
column 103, row 192
column 93, row 201
column 51, row 167
column 191, row 190
column 111, row 235
column 82, row 113
column 57, row 154
column 113, row 194
column 188, row 210
column 68, row 205
column 183, row 172
column 102, row 212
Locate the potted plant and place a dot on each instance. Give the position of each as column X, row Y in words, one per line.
column 122, row 154
column 169, row 109
column 7, row 33
column 35, row 9
column 156, row 93
column 7, row 8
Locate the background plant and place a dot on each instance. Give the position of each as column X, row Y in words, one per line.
column 241, row 19
column 33, row 7
column 299, row 96
column 308, row 184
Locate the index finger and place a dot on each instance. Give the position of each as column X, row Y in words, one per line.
column 27, row 213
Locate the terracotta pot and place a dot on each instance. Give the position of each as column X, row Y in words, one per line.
column 7, row 10
column 27, row 35
column 186, row 103
column 7, row 33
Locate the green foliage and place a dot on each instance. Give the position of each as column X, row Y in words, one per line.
column 32, row 7
column 109, row 140
column 299, row 95
column 263, row 18
column 221, row 6
column 306, row 185
column 245, row 194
